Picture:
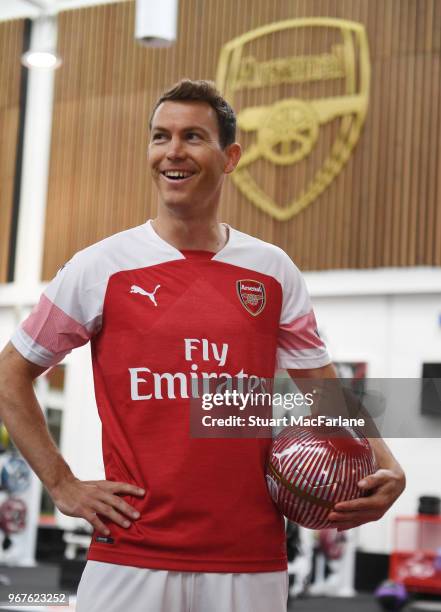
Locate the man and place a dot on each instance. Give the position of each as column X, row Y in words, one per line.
column 180, row 523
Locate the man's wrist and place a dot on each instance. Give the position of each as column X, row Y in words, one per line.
column 385, row 459
column 58, row 480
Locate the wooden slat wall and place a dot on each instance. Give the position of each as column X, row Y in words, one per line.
column 11, row 41
column 382, row 210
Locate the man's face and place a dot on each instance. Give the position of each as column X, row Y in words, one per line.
column 185, row 157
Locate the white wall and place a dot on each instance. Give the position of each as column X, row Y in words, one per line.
column 394, row 333
column 81, row 431
column 8, row 321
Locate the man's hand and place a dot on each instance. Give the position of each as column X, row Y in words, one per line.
column 383, row 487
column 88, row 499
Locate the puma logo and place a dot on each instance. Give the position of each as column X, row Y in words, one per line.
column 151, row 296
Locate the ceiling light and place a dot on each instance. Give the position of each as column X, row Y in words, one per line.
column 42, row 52
column 156, row 22
column 47, row 60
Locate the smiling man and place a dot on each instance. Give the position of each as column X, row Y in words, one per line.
column 187, row 159
column 192, row 147
column 180, row 298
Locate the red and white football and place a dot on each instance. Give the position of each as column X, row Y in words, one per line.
column 310, row 469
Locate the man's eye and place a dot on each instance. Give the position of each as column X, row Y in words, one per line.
column 158, row 136
column 193, row 135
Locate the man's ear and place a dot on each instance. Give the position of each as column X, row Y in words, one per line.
column 233, row 153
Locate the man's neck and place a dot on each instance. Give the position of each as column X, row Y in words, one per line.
column 191, row 234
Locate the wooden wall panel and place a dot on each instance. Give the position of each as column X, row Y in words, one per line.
column 382, row 210
column 11, row 42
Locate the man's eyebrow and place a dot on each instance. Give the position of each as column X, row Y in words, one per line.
column 191, row 128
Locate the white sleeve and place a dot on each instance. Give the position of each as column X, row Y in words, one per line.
column 299, row 345
column 68, row 314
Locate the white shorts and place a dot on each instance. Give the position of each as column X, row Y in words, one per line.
column 107, row 587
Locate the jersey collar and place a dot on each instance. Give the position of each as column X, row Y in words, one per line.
column 189, row 253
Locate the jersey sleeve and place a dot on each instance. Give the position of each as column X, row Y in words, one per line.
column 299, row 345
column 68, row 314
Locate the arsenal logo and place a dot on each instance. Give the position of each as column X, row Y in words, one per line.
column 300, row 113
column 252, row 295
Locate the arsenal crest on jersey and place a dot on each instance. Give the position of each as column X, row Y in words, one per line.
column 252, row 295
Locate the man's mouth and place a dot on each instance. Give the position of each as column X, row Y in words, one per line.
column 177, row 176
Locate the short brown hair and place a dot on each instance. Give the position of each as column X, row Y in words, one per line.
column 203, row 91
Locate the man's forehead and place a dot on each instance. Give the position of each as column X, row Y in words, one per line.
column 185, row 113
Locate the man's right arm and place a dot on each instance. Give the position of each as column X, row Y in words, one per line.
column 24, row 420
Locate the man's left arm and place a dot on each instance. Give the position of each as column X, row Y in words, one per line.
column 384, row 486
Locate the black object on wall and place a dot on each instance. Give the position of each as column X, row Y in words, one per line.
column 431, row 389
column 19, row 156
column 428, row 504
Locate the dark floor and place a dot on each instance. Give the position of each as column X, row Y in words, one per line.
column 45, row 574
column 361, row 603
column 40, row 579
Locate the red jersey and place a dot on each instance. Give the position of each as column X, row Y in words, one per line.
column 157, row 319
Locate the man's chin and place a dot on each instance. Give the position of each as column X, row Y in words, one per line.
column 176, row 202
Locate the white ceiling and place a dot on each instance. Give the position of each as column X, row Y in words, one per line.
column 19, row 9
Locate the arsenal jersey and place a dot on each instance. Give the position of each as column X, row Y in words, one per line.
column 157, row 319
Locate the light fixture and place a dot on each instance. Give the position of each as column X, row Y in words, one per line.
column 42, row 51
column 156, row 22
column 47, row 60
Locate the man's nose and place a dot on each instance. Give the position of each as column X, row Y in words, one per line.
column 175, row 149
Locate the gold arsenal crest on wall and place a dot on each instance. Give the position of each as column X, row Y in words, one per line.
column 300, row 88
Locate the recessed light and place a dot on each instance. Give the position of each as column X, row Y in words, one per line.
column 44, row 60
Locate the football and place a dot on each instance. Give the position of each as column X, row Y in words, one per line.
column 310, row 469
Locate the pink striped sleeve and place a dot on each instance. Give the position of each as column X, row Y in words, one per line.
column 300, row 334
column 54, row 330
column 299, row 345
